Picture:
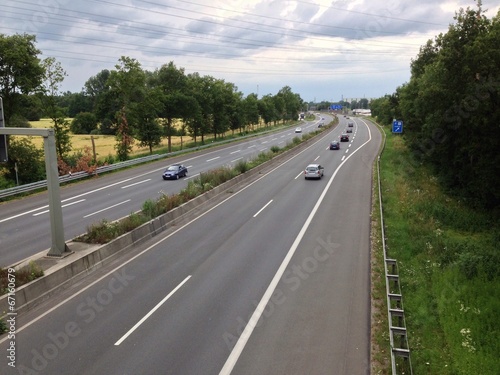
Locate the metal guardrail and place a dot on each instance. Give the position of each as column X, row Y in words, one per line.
column 77, row 175
column 111, row 167
column 398, row 338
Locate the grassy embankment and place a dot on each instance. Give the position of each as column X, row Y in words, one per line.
column 448, row 258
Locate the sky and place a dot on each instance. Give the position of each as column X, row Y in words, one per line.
column 324, row 50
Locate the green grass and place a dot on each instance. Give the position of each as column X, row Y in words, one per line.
column 448, row 264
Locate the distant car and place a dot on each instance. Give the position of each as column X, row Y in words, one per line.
column 298, row 130
column 174, row 172
column 320, row 125
column 334, row 145
column 344, row 138
column 350, row 124
column 348, row 130
column 313, row 171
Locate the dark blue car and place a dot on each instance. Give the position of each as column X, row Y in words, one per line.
column 174, row 172
column 334, row 145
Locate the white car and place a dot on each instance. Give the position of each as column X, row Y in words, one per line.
column 298, row 130
column 313, row 171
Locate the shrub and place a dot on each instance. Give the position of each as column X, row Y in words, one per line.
column 102, row 232
column 242, row 166
column 131, row 222
column 150, row 208
column 23, row 275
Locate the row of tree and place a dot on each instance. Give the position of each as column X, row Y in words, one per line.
column 451, row 107
column 128, row 102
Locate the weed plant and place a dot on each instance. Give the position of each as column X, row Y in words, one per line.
column 22, row 276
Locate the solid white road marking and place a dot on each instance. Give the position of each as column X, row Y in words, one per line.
column 252, row 322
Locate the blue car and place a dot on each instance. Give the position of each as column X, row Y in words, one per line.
column 174, row 172
column 334, row 145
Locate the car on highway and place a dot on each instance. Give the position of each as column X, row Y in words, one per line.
column 344, row 137
column 334, row 145
column 313, row 171
column 350, row 124
column 348, row 130
column 174, row 172
column 298, row 130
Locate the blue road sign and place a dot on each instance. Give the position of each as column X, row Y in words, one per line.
column 397, row 126
column 335, row 107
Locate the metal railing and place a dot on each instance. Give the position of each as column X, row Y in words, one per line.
column 107, row 168
column 398, row 338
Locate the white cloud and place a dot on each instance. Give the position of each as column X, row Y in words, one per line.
column 322, row 49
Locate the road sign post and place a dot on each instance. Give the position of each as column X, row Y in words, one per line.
column 59, row 247
column 3, row 138
column 397, row 126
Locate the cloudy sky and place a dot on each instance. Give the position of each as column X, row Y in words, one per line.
column 322, row 49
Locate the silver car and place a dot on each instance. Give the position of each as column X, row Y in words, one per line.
column 313, row 171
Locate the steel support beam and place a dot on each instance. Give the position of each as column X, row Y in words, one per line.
column 58, row 248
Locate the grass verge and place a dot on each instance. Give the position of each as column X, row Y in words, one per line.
column 448, row 258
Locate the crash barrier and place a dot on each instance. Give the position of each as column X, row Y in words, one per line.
column 398, row 338
column 111, row 167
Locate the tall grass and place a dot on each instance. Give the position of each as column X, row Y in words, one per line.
column 448, row 258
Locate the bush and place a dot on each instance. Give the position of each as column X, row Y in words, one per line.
column 242, row 166
column 84, row 123
column 275, row 149
column 102, row 232
column 23, row 276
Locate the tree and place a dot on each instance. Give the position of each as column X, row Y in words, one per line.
column 199, row 88
column 54, row 76
column 104, row 101
column 267, row 109
column 292, row 103
column 21, row 72
column 127, row 84
column 84, row 123
column 124, row 139
column 147, row 130
column 27, row 159
column 451, row 106
column 173, row 85
column 250, row 107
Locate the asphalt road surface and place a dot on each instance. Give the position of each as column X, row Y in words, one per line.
column 25, row 224
column 272, row 280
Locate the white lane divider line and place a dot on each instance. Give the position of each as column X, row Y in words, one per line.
column 64, row 205
column 131, row 330
column 263, row 208
column 107, row 208
column 136, row 183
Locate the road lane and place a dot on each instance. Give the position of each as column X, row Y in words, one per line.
column 232, row 257
column 22, row 234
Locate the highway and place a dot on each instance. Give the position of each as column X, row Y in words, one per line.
column 25, row 225
column 272, row 280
